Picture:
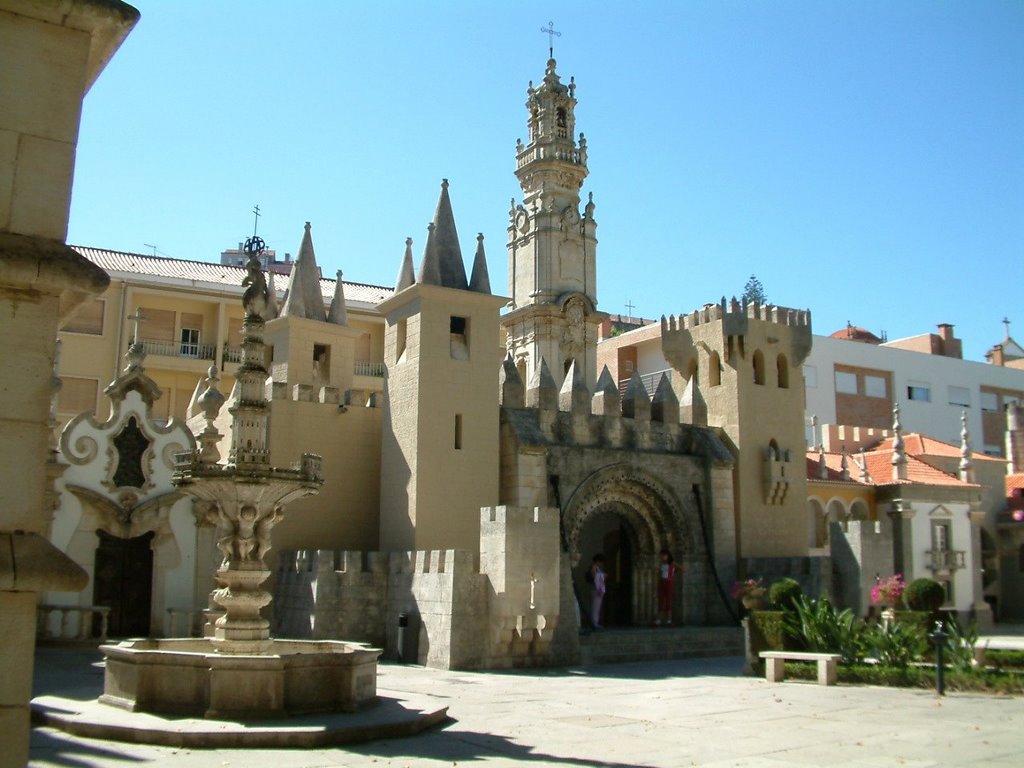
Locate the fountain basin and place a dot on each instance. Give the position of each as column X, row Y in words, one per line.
column 189, row 677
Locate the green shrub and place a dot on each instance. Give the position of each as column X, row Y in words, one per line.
column 784, row 593
column 767, row 632
column 960, row 645
column 896, row 645
column 1005, row 659
column 819, row 627
column 924, row 595
column 920, row 619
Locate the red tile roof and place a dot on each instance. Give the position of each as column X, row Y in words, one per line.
column 921, row 445
column 879, row 465
column 217, row 274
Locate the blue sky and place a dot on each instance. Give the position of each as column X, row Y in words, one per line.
column 864, row 159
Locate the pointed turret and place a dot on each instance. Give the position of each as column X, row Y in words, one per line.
column 574, row 395
column 406, row 275
column 442, row 258
column 430, row 266
column 899, row 457
column 636, row 404
column 338, row 313
column 479, row 280
column 542, row 391
column 513, row 394
column 273, row 307
column 694, row 409
column 606, row 400
column 665, row 405
column 304, row 296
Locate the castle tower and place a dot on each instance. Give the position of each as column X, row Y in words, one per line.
column 313, row 349
column 748, row 362
column 440, row 435
column 552, row 248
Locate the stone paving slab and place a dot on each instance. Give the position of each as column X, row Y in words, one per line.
column 671, row 714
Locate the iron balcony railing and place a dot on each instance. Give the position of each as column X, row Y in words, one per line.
column 946, row 559
column 179, row 349
column 649, row 380
column 369, row 369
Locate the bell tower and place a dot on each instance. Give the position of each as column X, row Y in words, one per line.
column 552, row 247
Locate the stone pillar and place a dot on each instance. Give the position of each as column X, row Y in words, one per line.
column 60, row 48
column 981, row 609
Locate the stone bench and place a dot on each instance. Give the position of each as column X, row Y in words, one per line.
column 775, row 670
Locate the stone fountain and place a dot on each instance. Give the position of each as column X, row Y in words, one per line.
column 241, row 672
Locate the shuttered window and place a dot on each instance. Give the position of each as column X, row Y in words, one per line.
column 88, row 319
column 77, row 394
column 157, row 324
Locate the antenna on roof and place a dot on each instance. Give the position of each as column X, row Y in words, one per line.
column 150, row 245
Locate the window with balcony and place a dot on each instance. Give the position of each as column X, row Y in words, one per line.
column 189, row 346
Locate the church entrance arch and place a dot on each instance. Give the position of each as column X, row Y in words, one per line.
column 628, row 515
column 124, row 582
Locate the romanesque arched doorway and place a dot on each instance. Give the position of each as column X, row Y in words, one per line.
column 629, row 515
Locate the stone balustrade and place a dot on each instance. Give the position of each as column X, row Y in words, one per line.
column 75, row 622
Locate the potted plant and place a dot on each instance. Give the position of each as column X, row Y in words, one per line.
column 751, row 592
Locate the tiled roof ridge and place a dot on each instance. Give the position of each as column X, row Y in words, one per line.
column 169, row 259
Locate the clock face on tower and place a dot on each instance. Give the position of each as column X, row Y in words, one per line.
column 522, row 222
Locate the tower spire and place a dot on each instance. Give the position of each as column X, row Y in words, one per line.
column 406, row 275
column 479, row 280
column 304, row 296
column 338, row 313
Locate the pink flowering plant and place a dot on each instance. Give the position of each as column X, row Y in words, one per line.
column 748, row 588
column 888, row 591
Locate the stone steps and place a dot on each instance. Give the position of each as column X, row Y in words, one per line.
column 617, row 645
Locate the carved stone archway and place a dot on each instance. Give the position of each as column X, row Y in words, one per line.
column 653, row 516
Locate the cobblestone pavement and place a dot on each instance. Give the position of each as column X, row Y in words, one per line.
column 678, row 713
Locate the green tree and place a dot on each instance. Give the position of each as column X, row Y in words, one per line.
column 754, row 291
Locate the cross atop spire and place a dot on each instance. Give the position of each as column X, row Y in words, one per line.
column 552, row 34
column 1006, row 322
column 137, row 319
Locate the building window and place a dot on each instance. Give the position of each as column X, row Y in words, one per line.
column 714, row 370
column 874, row 386
column 846, row 383
column 960, row 396
column 919, row 393
column 758, row 367
column 401, row 329
column 989, row 402
column 88, row 319
column 458, row 431
column 190, row 342
column 810, row 376
column 782, row 366
column 459, row 331
column 77, row 395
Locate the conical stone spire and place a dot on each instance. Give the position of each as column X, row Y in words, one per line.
column 304, row 296
column 542, row 391
column 430, row 266
column 693, row 406
column 665, row 405
column 479, row 280
column 606, row 400
column 406, row 275
column 338, row 314
column 443, row 253
column 513, row 393
column 635, row 403
column 863, row 465
column 822, row 464
column 273, row 308
column 844, row 465
column 574, row 395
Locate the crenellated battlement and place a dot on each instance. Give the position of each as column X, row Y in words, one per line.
column 541, row 413
column 732, row 311
column 306, row 393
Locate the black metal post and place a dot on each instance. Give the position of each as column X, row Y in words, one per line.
column 939, row 638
